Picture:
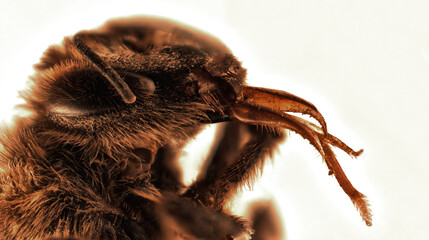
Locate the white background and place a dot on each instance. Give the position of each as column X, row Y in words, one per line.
column 364, row 64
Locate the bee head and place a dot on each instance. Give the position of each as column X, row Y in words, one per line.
column 105, row 85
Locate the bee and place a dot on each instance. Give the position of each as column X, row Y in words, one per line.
column 112, row 109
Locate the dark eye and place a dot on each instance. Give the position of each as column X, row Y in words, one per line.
column 86, row 92
column 80, row 92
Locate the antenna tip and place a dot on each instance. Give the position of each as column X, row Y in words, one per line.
column 128, row 97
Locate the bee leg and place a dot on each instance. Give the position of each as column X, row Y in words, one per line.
column 183, row 218
column 231, row 136
column 167, row 170
column 256, row 143
column 166, row 166
column 265, row 221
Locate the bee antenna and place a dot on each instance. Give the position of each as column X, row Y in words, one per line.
column 105, row 69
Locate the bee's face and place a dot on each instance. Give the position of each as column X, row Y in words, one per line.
column 179, row 78
column 177, row 89
column 112, row 110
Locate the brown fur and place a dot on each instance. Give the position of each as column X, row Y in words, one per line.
column 112, row 109
column 70, row 169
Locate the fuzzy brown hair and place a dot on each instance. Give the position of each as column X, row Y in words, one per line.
column 111, row 110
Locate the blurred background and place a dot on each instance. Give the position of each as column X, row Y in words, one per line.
column 364, row 64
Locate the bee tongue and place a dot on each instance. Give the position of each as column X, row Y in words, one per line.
column 259, row 106
column 281, row 101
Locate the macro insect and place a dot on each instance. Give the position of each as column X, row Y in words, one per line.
column 112, row 109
